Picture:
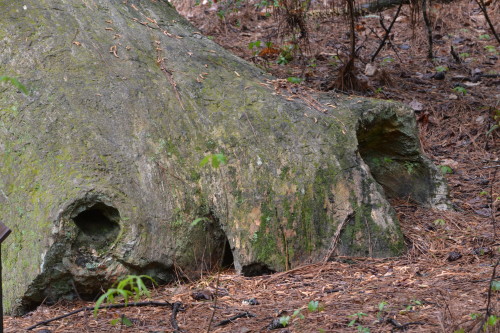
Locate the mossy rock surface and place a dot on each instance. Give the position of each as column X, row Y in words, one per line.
column 99, row 164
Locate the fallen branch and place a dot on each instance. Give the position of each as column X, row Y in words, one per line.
column 91, row 308
column 398, row 326
column 233, row 318
column 176, row 307
column 488, row 305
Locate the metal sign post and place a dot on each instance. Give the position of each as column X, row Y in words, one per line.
column 4, row 233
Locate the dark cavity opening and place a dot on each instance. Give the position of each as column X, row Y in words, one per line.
column 227, row 260
column 394, row 159
column 98, row 225
column 256, row 269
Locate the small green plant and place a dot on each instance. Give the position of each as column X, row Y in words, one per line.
column 491, row 49
column 131, row 286
column 414, row 303
column 441, row 69
column 410, row 167
column 491, row 321
column 440, row 222
column 445, row 169
column 356, row 318
column 282, row 60
column 293, row 79
column 198, row 221
column 363, row 329
column 379, row 90
column 381, row 309
column 496, row 125
column 314, row 306
column 267, row 4
column 215, row 159
column 255, row 46
column 484, row 37
column 284, row 320
column 460, row 90
column 123, row 320
column 386, row 61
column 475, row 316
column 464, row 55
column 297, row 313
column 334, row 61
column 495, row 285
column 15, row 83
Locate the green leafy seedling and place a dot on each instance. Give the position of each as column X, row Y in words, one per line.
column 284, row 320
column 464, row 55
column 131, row 286
column 357, row 316
column 15, row 83
column 445, row 169
column 460, row 90
column 475, row 316
column 293, row 79
column 495, row 285
column 491, row 321
column 215, row 159
column 440, row 222
column 314, row 306
column 490, row 48
column 123, row 320
column 198, row 221
column 441, row 69
column 298, row 314
column 484, row 37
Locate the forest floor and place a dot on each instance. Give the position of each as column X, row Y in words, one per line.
column 442, row 283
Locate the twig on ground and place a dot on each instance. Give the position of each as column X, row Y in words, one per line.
column 91, row 308
column 488, row 304
column 398, row 326
column 230, row 320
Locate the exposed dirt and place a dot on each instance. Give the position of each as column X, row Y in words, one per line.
column 444, row 278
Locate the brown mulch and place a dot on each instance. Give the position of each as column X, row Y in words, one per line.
column 444, row 277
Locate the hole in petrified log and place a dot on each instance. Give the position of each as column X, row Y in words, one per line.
column 393, row 156
column 227, row 260
column 98, row 226
column 256, row 269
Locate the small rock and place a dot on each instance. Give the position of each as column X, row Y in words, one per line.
column 251, row 301
column 485, row 212
column 416, row 105
column 482, row 251
column 480, row 120
column 370, row 70
column 454, row 255
column 439, row 76
column 453, row 97
column 404, row 47
column 203, row 295
column 430, row 227
column 450, row 162
column 476, row 71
